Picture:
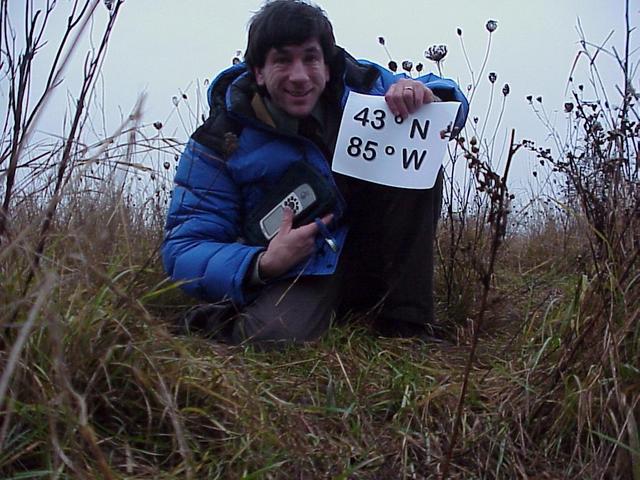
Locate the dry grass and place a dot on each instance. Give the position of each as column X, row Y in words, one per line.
column 101, row 387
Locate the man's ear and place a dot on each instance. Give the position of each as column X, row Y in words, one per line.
column 257, row 72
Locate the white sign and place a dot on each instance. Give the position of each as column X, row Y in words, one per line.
column 374, row 145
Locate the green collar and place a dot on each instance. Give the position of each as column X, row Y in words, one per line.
column 290, row 125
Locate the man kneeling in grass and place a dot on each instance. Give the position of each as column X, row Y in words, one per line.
column 273, row 124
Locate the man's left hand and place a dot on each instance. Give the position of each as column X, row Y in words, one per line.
column 406, row 96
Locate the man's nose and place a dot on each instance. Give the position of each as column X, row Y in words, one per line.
column 298, row 72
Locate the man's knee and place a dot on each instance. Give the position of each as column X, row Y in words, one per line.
column 288, row 313
column 284, row 328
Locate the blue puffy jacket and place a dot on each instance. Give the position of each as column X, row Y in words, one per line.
column 230, row 163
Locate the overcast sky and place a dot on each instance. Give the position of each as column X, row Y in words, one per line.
column 163, row 47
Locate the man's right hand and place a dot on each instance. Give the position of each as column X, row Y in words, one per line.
column 290, row 246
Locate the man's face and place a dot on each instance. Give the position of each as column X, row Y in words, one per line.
column 295, row 76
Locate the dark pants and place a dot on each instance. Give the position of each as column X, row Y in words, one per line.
column 387, row 264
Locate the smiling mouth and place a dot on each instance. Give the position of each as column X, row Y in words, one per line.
column 299, row 94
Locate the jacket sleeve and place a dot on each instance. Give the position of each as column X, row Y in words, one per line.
column 445, row 89
column 201, row 247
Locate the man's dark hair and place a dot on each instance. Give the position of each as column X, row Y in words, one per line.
column 287, row 22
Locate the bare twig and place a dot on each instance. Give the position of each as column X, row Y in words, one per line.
column 499, row 196
column 62, row 178
column 19, row 72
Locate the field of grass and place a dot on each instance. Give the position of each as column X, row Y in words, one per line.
column 96, row 383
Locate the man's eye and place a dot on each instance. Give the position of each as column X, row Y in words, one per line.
column 281, row 60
